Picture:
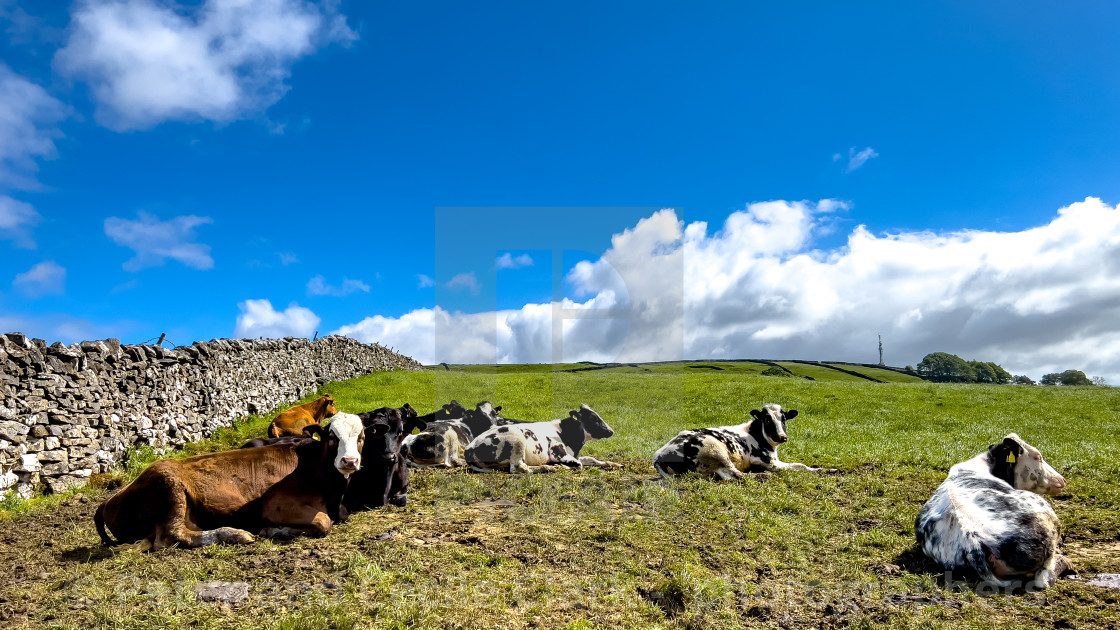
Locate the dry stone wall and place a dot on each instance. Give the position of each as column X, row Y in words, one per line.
column 67, row 412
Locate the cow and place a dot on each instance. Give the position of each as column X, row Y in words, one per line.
column 988, row 517
column 728, row 452
column 539, row 446
column 383, row 478
column 443, row 442
column 291, row 421
column 288, row 488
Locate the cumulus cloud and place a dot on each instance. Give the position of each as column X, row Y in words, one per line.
column 259, row 319
column 1039, row 300
column 45, row 278
column 16, row 220
column 508, row 261
column 148, row 61
column 318, row 286
column 28, row 116
column 425, row 281
column 524, row 335
column 154, row 240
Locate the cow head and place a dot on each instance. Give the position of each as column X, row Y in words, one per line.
column 481, row 419
column 593, row 426
column 328, row 403
column 345, row 437
column 773, row 421
column 385, row 429
column 1022, row 466
column 453, row 410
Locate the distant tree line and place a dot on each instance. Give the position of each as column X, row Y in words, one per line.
column 942, row 367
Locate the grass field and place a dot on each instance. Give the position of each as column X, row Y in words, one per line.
column 609, row 549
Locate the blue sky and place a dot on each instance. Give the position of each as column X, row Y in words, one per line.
column 170, row 167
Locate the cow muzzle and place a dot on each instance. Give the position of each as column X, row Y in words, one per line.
column 348, row 465
column 1057, row 484
column 782, row 438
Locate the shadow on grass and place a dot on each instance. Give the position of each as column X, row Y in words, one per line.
column 86, row 554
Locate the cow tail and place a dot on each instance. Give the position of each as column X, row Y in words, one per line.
column 99, row 521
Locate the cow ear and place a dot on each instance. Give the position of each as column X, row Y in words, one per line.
column 755, row 413
column 1002, row 459
column 314, row 431
column 791, row 414
column 572, row 422
column 407, row 411
column 414, row 423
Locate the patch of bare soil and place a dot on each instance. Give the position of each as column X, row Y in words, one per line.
column 31, row 550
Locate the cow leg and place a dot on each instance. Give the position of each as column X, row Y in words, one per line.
column 319, row 525
column 184, row 537
column 1049, row 573
column 587, row 460
column 791, row 466
column 178, row 531
column 727, row 473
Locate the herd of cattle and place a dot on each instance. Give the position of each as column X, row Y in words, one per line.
column 986, row 517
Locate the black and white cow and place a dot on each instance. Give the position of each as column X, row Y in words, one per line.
column 383, row 477
column 987, row 516
column 540, row 446
column 443, row 442
column 728, row 452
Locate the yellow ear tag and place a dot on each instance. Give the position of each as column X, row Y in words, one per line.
column 1011, row 458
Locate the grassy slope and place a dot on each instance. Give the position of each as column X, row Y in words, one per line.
column 622, row 549
column 887, row 376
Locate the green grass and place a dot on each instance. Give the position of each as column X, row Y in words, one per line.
column 820, row 372
column 610, row 549
column 887, row 376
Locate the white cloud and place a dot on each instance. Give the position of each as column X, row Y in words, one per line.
column 318, row 286
column 154, row 240
column 425, row 281
column 1038, row 300
column 856, row 160
column 27, row 129
column 287, row 258
column 464, row 281
column 16, row 220
column 45, row 278
column 508, row 261
column 148, row 62
column 259, row 319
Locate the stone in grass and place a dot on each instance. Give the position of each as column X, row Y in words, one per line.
column 1106, row 580
column 232, row 593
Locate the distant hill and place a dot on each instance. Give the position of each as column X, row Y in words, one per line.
column 812, row 370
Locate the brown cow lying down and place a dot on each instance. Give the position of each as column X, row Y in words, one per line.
column 286, row 488
column 292, row 421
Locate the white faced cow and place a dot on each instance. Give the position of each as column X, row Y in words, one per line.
column 987, row 516
column 728, row 452
column 539, row 446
